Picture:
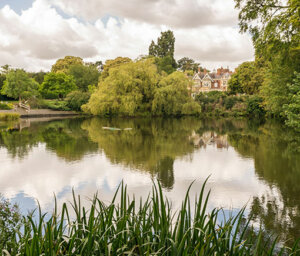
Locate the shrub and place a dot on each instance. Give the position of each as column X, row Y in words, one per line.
column 191, row 108
column 76, row 99
column 230, row 101
column 55, row 105
column 9, row 116
column 6, row 106
column 254, row 106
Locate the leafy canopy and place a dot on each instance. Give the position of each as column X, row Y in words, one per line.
column 292, row 109
column 247, row 78
column 164, row 48
column 19, row 85
column 57, row 85
column 84, row 76
column 137, row 88
column 127, row 90
column 63, row 65
column 172, row 95
column 186, row 63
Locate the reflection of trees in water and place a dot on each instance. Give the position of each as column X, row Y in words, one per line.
column 277, row 161
column 64, row 137
column 151, row 145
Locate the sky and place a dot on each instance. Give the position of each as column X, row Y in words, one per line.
column 35, row 33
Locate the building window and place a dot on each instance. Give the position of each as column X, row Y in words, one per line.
column 216, row 84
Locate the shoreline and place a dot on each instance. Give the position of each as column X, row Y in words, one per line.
column 36, row 113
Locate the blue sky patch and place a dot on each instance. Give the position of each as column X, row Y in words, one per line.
column 17, row 5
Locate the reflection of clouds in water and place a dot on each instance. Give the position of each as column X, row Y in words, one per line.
column 40, row 174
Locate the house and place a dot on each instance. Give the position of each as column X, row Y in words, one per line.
column 213, row 81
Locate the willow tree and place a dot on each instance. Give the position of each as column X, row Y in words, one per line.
column 172, row 97
column 128, row 90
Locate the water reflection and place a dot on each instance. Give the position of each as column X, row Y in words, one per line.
column 252, row 162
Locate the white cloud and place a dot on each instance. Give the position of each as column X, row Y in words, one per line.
column 204, row 31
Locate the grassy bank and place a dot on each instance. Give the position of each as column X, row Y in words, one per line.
column 133, row 227
column 9, row 116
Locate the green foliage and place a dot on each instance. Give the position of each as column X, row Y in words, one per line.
column 84, row 76
column 186, row 63
column 10, row 223
column 248, row 78
column 9, row 116
column 229, row 101
column 255, row 106
column 221, row 104
column 38, row 76
column 274, row 25
column 57, row 85
column 6, row 106
column 76, row 99
column 165, row 64
column 2, row 79
column 18, row 85
column 128, row 90
column 234, row 84
column 164, row 48
column 55, row 105
column 141, row 228
column 292, row 109
column 191, row 108
column 280, row 19
column 63, row 65
column 113, row 64
column 171, row 95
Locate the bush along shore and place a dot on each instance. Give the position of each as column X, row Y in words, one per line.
column 134, row 227
column 9, row 116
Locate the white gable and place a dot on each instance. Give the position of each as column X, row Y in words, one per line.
column 207, row 76
column 196, row 77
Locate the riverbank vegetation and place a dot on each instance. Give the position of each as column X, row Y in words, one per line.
column 131, row 226
column 9, row 116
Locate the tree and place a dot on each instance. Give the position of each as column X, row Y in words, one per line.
column 247, row 78
column 186, row 63
column 165, row 64
column 38, row 76
column 292, row 109
column 172, row 95
column 63, row 65
column 164, row 47
column 128, row 90
column 57, row 85
column 153, row 49
column 84, row 75
column 114, row 63
column 19, row 85
column 274, row 25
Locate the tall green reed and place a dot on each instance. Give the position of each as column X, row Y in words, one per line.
column 137, row 227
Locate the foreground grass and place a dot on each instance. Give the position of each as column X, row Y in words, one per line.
column 133, row 227
column 9, row 116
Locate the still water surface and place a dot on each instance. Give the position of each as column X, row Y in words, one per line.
column 249, row 163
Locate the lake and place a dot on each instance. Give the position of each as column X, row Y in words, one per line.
column 249, row 163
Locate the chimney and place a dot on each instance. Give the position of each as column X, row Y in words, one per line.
column 205, row 71
column 218, row 71
column 199, row 69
